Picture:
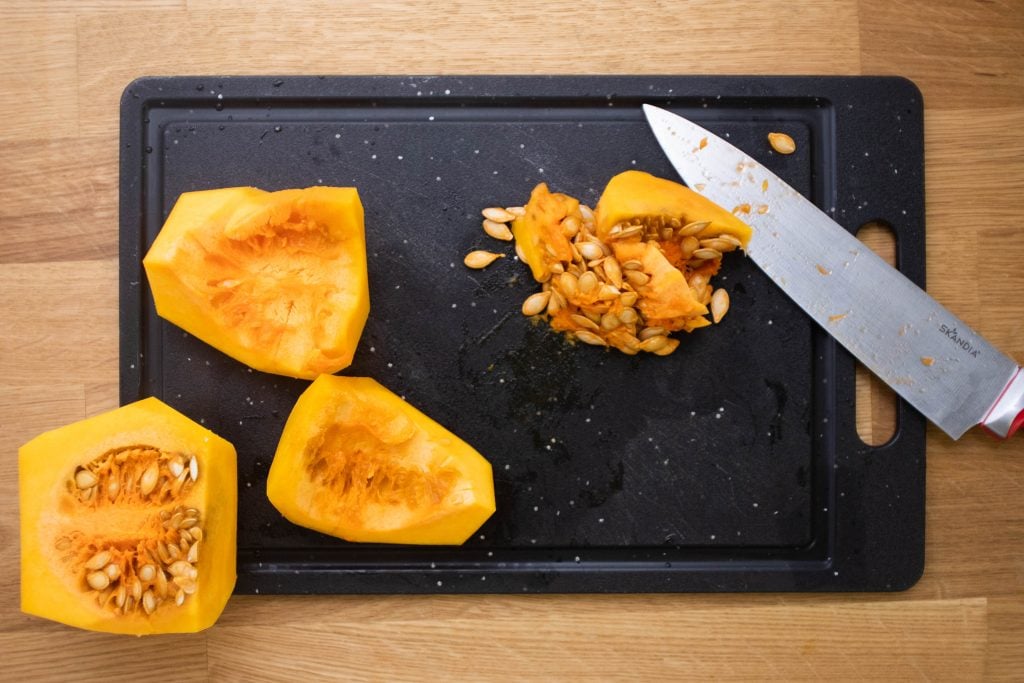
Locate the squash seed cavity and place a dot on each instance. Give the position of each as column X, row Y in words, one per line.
column 146, row 567
column 367, row 474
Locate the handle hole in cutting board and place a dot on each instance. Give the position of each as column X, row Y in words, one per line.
column 876, row 402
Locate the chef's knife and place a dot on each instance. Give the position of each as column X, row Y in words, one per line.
column 927, row 355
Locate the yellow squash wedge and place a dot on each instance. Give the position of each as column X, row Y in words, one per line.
column 357, row 462
column 276, row 280
column 128, row 522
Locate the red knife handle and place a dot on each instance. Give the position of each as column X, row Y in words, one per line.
column 1007, row 414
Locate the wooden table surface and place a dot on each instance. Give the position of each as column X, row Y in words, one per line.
column 63, row 65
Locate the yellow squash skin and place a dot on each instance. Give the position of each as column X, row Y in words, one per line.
column 635, row 195
column 357, row 462
column 276, row 280
column 59, row 533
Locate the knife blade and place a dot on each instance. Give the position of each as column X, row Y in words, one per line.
column 931, row 358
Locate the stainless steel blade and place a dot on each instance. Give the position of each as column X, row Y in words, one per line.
column 925, row 353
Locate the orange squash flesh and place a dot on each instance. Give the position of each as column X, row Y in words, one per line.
column 128, row 522
column 276, row 280
column 538, row 233
column 667, row 294
column 357, row 462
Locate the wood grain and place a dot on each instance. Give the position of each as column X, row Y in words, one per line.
column 63, row 66
column 925, row 640
column 42, row 306
column 469, row 37
column 963, row 54
column 51, row 206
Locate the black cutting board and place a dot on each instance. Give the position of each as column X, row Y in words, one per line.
column 731, row 465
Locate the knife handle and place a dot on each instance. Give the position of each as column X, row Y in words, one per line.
column 1007, row 414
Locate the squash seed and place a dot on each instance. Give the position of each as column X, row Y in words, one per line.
column 627, row 233
column 718, row 244
column 570, row 226
column 535, row 304
column 568, row 284
column 147, row 572
column 586, row 283
column 609, row 321
column 99, row 560
column 84, row 479
column 161, row 583
column 587, row 213
column 176, row 467
column 628, row 316
column 588, row 337
column 179, row 568
column 193, row 553
column 498, row 231
column 637, row 278
column 781, row 143
column 731, row 240
column 649, row 332
column 693, row 228
column 97, row 580
column 670, row 346
column 112, row 571
column 557, row 303
column 179, row 598
column 149, row 479
column 498, row 214
column 604, row 247
column 613, row 271
column 584, row 322
column 516, row 210
column 481, row 259
column 705, row 254
column 632, row 264
column 591, row 251
column 164, row 554
column 719, row 304
column 628, row 298
column 654, row 343
column 149, row 602
column 688, row 245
